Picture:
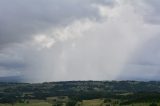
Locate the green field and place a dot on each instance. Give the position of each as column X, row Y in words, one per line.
column 94, row 102
column 81, row 93
column 29, row 104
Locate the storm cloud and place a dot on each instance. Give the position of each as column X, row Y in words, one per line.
column 55, row 40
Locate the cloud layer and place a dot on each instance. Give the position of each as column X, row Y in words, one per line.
column 79, row 40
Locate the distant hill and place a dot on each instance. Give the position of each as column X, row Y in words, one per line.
column 126, row 91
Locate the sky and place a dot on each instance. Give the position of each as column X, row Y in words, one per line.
column 63, row 40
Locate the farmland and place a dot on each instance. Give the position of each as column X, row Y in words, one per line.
column 81, row 93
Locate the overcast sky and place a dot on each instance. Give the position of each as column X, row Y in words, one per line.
column 57, row 40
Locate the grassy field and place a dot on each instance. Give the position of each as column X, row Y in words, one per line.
column 48, row 102
column 81, row 93
column 30, row 104
column 86, row 103
column 100, row 102
column 52, row 101
column 94, row 102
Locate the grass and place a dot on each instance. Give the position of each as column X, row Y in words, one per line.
column 100, row 102
column 94, row 102
column 31, row 103
column 56, row 100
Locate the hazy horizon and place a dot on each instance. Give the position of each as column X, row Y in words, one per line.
column 19, row 79
column 65, row 40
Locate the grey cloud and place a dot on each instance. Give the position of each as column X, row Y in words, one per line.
column 19, row 20
column 152, row 11
column 144, row 64
column 140, row 72
column 148, row 53
column 119, row 45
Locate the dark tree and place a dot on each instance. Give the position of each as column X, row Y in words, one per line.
column 153, row 104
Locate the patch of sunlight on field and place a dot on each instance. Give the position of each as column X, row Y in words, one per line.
column 139, row 104
column 94, row 102
column 5, row 105
column 29, row 104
